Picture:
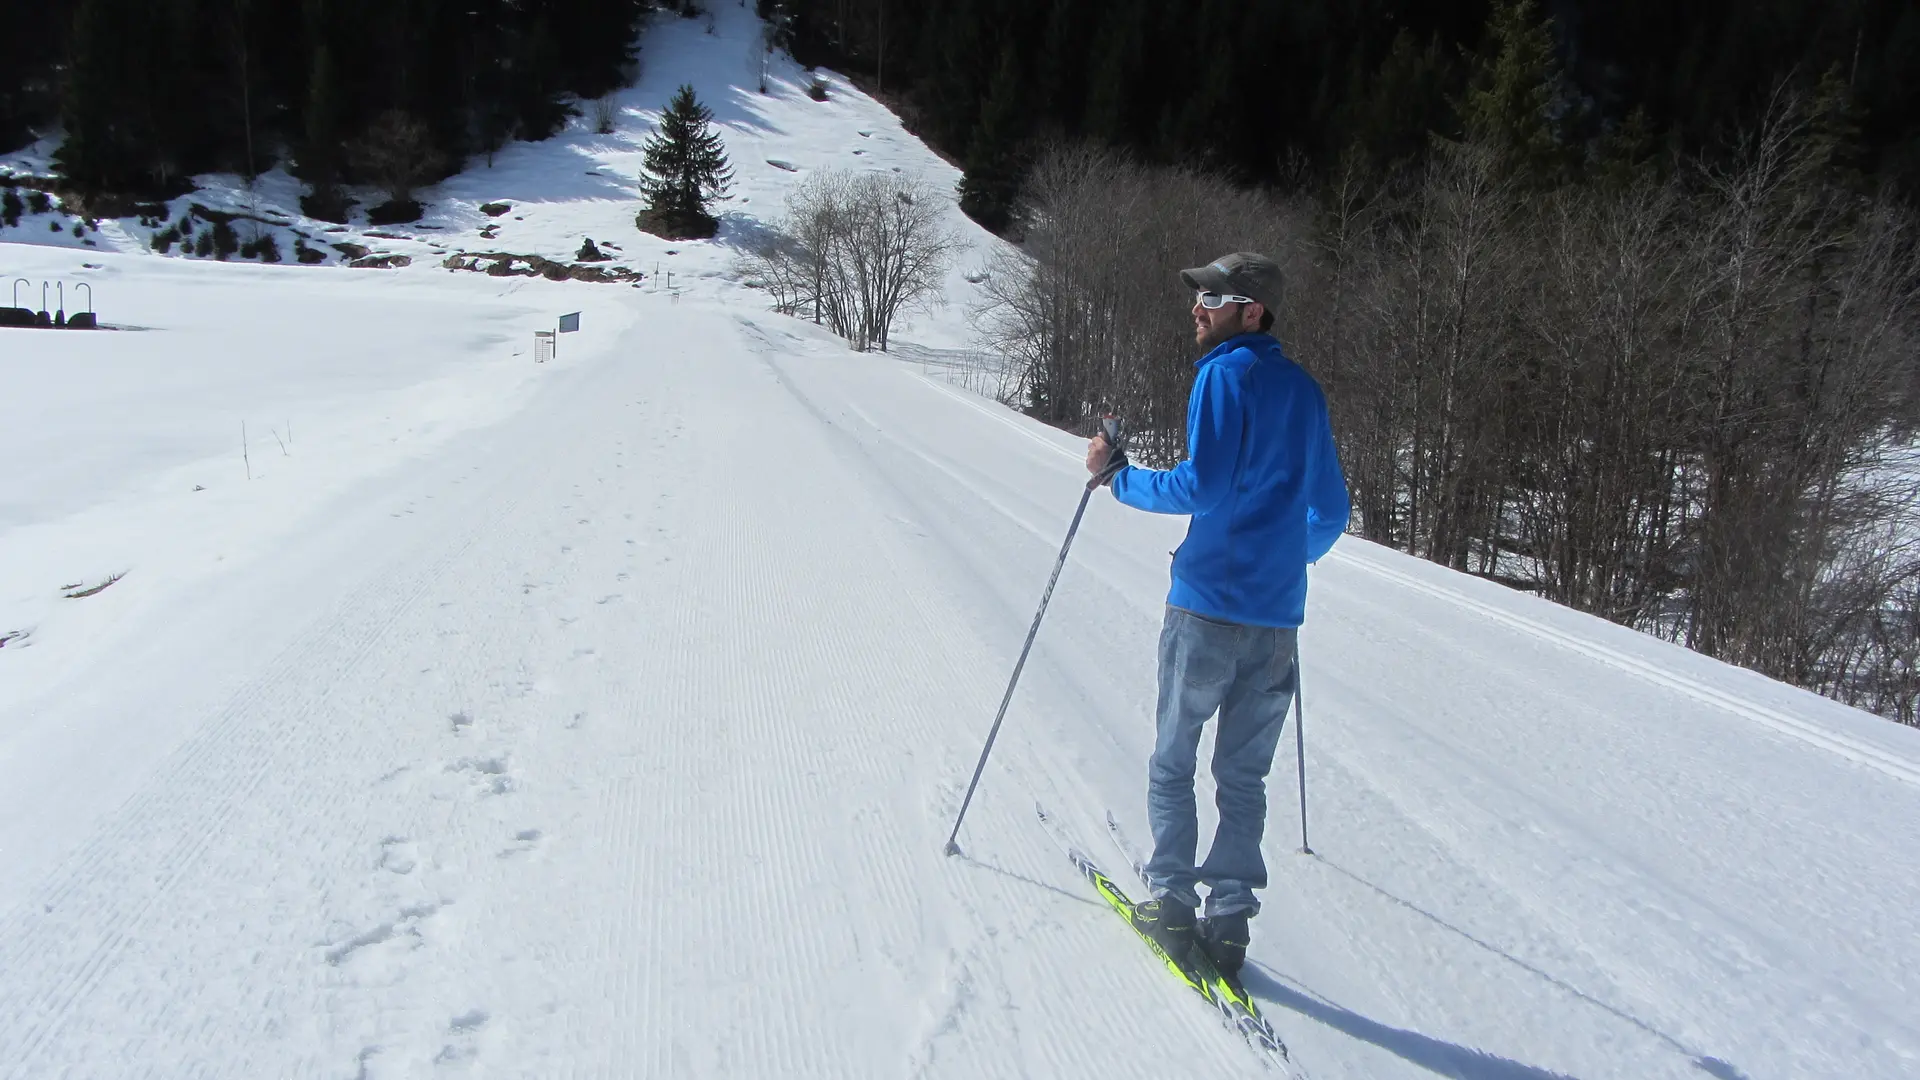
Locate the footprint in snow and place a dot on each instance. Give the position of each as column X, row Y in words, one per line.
column 489, row 775
column 398, row 855
column 461, row 1029
column 401, row 932
column 523, row 842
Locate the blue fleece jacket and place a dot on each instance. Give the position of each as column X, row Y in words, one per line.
column 1262, row 480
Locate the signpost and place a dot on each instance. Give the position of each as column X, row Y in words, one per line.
column 546, row 342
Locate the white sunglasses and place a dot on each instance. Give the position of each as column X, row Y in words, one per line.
column 1214, row 301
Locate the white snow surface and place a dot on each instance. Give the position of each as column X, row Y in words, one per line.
column 606, row 717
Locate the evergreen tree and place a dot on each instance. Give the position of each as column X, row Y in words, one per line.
column 1837, row 129
column 686, row 169
column 1511, row 91
column 1391, row 116
column 109, row 140
column 319, row 158
column 538, row 80
column 993, row 165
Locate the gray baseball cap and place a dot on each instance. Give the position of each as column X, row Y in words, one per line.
column 1242, row 273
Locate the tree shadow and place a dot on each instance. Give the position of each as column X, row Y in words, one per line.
column 743, row 232
column 1714, row 1067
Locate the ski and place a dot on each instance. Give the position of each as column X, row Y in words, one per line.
column 1236, row 1008
column 1228, row 994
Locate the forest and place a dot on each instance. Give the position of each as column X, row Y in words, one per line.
column 398, row 94
column 1264, row 90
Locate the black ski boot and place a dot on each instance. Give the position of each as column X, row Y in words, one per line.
column 1224, row 939
column 1169, row 923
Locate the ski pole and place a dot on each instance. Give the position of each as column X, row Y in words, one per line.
column 1109, row 427
column 1300, row 742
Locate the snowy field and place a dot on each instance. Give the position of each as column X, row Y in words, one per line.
column 605, row 717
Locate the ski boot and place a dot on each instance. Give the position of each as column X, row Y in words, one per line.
column 1224, row 939
column 1169, row 923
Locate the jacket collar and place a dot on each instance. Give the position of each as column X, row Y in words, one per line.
column 1253, row 339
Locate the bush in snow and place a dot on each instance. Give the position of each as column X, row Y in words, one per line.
column 605, row 111
column 853, row 252
column 590, row 252
column 225, row 240
column 11, row 207
column 203, row 247
column 396, row 212
column 396, row 154
column 817, row 89
column 38, row 202
column 327, row 202
column 262, row 247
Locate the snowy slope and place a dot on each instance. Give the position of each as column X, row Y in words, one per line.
column 605, row 718
column 580, row 184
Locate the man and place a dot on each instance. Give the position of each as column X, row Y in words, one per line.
column 1263, row 485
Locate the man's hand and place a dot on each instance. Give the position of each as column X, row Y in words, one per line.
column 1097, row 453
column 1103, row 460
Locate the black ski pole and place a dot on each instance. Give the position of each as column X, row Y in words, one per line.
column 1300, row 743
column 1110, row 427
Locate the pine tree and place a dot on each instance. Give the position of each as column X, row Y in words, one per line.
column 686, row 169
column 1511, row 92
column 993, row 166
column 1837, row 126
column 1392, row 115
column 109, row 141
column 319, row 156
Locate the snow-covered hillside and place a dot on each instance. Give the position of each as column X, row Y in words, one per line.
column 605, row 717
column 581, row 185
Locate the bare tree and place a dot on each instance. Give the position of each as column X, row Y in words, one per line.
column 1689, row 404
column 606, row 114
column 1091, row 314
column 855, row 251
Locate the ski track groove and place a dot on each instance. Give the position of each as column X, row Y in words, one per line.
column 1811, row 733
column 212, row 753
column 1132, row 992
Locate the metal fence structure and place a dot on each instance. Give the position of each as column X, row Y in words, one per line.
column 52, row 314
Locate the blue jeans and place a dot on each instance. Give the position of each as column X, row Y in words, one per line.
column 1246, row 673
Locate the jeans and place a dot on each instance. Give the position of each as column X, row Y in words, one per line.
column 1247, row 674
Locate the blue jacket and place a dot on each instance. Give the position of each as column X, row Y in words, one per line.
column 1262, row 480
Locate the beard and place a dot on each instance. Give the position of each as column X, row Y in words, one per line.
column 1209, row 336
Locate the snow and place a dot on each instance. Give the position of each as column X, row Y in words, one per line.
column 605, row 717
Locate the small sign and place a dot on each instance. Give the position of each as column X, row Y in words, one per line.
column 570, row 323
